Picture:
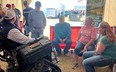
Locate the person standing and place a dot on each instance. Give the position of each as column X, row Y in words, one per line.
column 37, row 21
column 18, row 14
column 11, row 33
column 62, row 32
column 26, row 12
column 2, row 12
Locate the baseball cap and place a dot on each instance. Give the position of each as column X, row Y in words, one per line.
column 9, row 14
column 38, row 4
column 8, row 5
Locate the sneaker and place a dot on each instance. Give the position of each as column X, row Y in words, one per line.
column 75, row 65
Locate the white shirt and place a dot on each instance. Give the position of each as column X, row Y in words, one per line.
column 15, row 35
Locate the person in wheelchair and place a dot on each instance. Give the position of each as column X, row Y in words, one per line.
column 11, row 33
column 14, row 37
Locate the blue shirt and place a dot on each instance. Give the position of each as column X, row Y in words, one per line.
column 62, row 30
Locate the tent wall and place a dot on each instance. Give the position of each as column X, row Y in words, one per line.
column 18, row 3
column 110, row 12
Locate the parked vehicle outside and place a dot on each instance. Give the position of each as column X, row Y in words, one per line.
column 77, row 14
column 51, row 13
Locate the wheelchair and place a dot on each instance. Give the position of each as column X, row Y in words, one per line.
column 17, row 63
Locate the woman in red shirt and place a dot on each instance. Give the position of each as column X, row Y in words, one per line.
column 85, row 40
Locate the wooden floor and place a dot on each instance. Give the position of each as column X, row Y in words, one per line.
column 66, row 63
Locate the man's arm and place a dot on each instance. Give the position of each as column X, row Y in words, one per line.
column 56, row 32
column 68, row 34
column 30, row 20
column 16, row 36
column 24, row 20
column 44, row 21
column 69, row 31
column 19, row 13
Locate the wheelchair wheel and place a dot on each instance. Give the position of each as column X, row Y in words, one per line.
column 45, row 66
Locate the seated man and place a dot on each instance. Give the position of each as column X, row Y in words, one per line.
column 62, row 32
column 13, row 35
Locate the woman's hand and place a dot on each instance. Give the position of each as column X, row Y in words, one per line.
column 85, row 48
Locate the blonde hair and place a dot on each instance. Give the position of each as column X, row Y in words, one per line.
column 108, row 31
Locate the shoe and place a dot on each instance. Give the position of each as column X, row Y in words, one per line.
column 75, row 65
column 66, row 54
column 58, row 55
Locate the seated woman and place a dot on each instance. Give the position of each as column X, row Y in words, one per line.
column 85, row 40
column 105, row 51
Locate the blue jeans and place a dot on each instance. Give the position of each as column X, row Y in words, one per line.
column 27, row 30
column 90, row 59
column 68, row 43
column 79, row 47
